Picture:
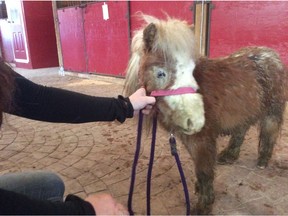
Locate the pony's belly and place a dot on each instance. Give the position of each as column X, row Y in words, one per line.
column 234, row 120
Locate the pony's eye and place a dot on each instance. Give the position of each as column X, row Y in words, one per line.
column 161, row 74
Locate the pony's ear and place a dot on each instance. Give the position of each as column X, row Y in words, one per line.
column 149, row 34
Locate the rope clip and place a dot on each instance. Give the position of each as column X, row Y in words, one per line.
column 172, row 142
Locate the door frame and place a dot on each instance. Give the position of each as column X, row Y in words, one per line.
column 202, row 22
column 19, row 5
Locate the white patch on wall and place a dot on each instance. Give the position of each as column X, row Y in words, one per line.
column 105, row 11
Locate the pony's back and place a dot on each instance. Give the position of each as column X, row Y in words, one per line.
column 240, row 88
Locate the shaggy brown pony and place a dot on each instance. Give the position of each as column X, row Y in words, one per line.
column 239, row 90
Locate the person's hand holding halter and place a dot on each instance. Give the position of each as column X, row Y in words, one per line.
column 140, row 101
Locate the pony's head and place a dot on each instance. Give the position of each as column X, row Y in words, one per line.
column 163, row 57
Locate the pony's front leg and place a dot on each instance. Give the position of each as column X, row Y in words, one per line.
column 204, row 189
column 203, row 152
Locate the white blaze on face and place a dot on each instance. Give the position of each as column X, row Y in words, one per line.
column 184, row 71
column 189, row 107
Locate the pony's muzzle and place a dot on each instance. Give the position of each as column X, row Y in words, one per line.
column 189, row 123
column 189, row 129
column 187, row 113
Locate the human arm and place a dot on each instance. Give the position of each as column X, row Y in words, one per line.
column 101, row 204
column 17, row 204
column 58, row 105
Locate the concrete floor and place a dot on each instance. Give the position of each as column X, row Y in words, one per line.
column 98, row 157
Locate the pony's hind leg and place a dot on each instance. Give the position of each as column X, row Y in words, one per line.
column 269, row 130
column 231, row 153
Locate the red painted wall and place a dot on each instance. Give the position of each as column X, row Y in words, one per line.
column 72, row 39
column 90, row 43
column 105, row 49
column 40, row 31
column 107, row 41
column 176, row 9
column 236, row 24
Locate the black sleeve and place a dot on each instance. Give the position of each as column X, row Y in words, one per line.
column 58, row 105
column 17, row 204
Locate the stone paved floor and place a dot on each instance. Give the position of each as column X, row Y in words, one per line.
column 97, row 157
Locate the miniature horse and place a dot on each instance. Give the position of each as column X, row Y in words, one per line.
column 238, row 91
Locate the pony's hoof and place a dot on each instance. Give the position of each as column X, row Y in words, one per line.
column 205, row 203
column 201, row 211
column 262, row 164
column 226, row 158
column 261, row 167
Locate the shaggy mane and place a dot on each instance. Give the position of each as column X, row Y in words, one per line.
column 173, row 36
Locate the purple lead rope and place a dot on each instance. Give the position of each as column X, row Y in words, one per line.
column 150, row 167
column 136, row 157
column 172, row 142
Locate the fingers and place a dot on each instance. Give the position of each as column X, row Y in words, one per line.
column 105, row 204
column 147, row 110
column 148, row 107
column 141, row 91
column 121, row 210
column 151, row 100
column 139, row 100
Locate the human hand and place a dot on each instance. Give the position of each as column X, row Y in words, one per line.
column 139, row 101
column 105, row 204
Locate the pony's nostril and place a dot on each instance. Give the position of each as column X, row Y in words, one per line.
column 189, row 123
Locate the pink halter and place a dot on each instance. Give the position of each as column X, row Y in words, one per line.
column 168, row 92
